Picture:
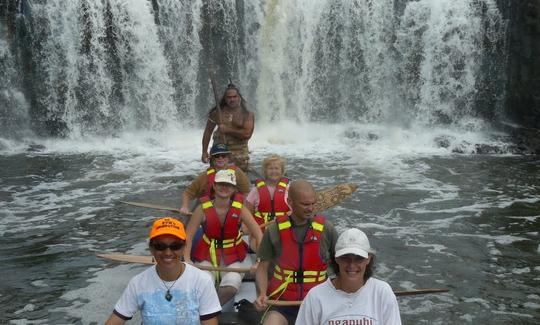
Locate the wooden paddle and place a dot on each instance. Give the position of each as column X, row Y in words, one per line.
column 397, row 293
column 150, row 260
column 326, row 199
column 155, row 206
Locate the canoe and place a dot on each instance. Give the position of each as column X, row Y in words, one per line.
column 241, row 310
column 230, row 314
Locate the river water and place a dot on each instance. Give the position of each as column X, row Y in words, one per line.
column 466, row 222
column 396, row 96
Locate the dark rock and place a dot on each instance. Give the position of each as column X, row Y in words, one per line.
column 372, row 136
column 487, row 149
column 443, row 141
column 523, row 72
column 524, row 140
column 35, row 147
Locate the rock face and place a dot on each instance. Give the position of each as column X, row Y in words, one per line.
column 523, row 88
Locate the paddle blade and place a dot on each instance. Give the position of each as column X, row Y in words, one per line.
column 128, row 258
column 153, row 206
column 334, row 195
column 141, row 259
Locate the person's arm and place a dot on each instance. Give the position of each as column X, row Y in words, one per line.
column 126, row 306
column 243, row 133
column 253, row 227
column 252, row 199
column 391, row 314
column 307, row 314
column 195, row 189
column 261, row 281
column 186, row 198
column 193, row 224
column 114, row 320
column 250, row 207
column 209, row 128
column 242, row 182
column 211, row 321
column 209, row 306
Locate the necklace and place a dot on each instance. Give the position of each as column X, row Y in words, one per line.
column 168, row 295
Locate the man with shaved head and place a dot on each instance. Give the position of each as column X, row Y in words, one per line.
column 301, row 247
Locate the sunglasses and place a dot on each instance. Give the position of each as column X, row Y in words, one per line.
column 159, row 246
column 221, row 155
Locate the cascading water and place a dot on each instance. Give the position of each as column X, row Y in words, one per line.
column 112, row 65
column 13, row 104
column 442, row 46
column 380, row 93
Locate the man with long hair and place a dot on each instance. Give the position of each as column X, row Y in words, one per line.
column 235, row 124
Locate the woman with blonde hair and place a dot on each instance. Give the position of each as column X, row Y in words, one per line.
column 268, row 198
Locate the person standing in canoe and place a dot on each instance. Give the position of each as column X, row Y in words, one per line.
column 222, row 243
column 235, row 124
column 203, row 183
column 301, row 246
column 170, row 292
column 354, row 296
column 268, row 198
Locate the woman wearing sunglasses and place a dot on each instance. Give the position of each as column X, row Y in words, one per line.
column 220, row 159
column 222, row 243
column 170, row 292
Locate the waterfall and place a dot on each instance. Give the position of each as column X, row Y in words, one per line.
column 103, row 65
column 106, row 66
column 13, row 105
column 442, row 46
column 340, row 60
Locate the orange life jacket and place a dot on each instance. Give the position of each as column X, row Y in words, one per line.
column 300, row 266
column 269, row 207
column 221, row 240
column 211, row 178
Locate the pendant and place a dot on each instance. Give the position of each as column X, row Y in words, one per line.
column 168, row 296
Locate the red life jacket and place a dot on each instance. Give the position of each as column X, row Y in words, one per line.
column 211, row 177
column 221, row 240
column 269, row 207
column 300, row 266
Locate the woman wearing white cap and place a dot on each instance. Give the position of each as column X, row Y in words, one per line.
column 354, row 296
column 221, row 243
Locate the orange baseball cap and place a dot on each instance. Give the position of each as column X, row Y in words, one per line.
column 168, row 226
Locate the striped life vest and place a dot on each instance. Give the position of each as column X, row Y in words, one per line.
column 300, row 266
column 269, row 207
column 221, row 241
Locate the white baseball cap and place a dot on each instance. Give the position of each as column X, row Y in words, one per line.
column 226, row 176
column 353, row 241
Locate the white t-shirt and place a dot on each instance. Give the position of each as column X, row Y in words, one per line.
column 373, row 304
column 193, row 295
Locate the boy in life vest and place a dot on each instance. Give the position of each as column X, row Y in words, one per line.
column 301, row 247
column 220, row 156
column 222, row 243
